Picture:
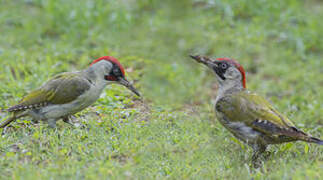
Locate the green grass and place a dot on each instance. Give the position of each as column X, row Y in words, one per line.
column 173, row 133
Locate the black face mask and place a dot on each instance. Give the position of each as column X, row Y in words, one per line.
column 221, row 69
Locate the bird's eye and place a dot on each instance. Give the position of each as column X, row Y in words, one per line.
column 116, row 72
column 224, row 66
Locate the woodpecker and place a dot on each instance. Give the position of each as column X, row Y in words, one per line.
column 248, row 116
column 70, row 92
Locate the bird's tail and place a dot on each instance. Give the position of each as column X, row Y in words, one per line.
column 315, row 140
column 7, row 121
column 300, row 135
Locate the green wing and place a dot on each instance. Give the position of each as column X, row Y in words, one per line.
column 254, row 111
column 62, row 89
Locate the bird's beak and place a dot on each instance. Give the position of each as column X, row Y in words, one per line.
column 127, row 84
column 211, row 63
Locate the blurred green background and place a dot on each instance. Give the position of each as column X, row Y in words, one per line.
column 173, row 134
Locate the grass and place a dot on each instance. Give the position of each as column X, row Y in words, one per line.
column 173, row 132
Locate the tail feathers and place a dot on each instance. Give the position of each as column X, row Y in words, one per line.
column 7, row 121
column 306, row 137
column 16, row 115
column 315, row 140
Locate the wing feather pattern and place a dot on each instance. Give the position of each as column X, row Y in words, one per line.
column 62, row 89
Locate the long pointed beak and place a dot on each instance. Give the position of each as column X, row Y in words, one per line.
column 205, row 60
column 127, row 84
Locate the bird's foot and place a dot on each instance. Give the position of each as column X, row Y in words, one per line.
column 258, row 159
column 266, row 155
column 256, row 163
column 68, row 121
column 4, row 130
column 258, row 155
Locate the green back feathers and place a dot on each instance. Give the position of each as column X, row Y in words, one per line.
column 266, row 110
column 61, row 89
column 249, row 107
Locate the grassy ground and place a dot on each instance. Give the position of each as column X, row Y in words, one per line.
column 173, row 133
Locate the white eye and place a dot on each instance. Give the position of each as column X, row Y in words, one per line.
column 116, row 71
column 224, row 65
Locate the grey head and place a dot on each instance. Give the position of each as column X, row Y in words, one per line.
column 229, row 72
column 107, row 70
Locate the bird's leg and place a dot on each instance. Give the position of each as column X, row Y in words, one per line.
column 51, row 123
column 35, row 121
column 258, row 150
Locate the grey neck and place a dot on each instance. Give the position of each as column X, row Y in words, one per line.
column 90, row 74
column 226, row 88
column 95, row 76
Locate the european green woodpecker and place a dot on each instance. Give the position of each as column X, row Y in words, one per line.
column 70, row 92
column 249, row 117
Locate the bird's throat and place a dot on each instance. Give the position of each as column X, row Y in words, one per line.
column 228, row 87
